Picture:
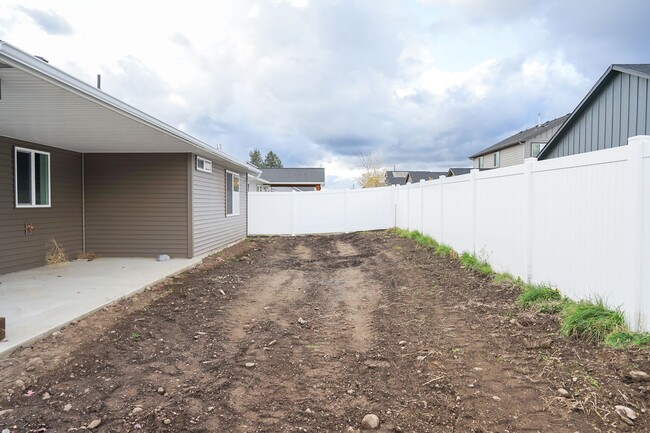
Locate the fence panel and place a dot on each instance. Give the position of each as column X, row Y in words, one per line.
column 457, row 214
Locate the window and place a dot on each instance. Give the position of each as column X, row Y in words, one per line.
column 535, row 148
column 32, row 178
column 203, row 164
column 481, row 162
column 497, row 159
column 232, row 193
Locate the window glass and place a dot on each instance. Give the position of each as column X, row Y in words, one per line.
column 41, row 178
column 228, row 193
column 23, row 178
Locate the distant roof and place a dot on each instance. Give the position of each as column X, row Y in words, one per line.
column 293, row 175
column 637, row 69
column 396, row 177
column 416, row 176
column 522, row 136
column 459, row 171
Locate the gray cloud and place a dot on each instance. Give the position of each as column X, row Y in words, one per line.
column 48, row 21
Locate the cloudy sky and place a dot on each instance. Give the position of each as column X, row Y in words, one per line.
column 420, row 83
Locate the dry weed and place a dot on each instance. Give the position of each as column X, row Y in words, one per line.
column 55, row 254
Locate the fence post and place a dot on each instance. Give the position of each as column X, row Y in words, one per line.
column 636, row 235
column 472, row 173
column 395, row 193
column 421, row 205
column 442, row 212
column 293, row 213
column 528, row 222
column 408, row 206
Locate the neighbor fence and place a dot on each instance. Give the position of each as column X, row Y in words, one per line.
column 581, row 222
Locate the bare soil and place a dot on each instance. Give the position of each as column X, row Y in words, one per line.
column 332, row 328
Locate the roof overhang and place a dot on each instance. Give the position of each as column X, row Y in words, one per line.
column 42, row 104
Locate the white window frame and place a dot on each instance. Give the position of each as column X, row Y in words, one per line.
column 32, row 153
column 204, row 165
column 481, row 162
column 497, row 158
column 236, row 204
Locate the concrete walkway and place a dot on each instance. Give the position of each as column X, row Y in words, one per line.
column 38, row 301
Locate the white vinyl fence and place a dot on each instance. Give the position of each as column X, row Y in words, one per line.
column 581, row 222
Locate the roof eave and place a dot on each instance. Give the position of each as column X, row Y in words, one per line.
column 19, row 59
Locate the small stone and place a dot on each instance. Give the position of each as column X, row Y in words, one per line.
column 640, row 376
column 627, row 415
column 35, row 363
column 563, row 392
column 301, row 320
column 546, row 344
column 136, row 410
column 350, row 391
column 19, row 384
column 67, row 407
column 94, row 424
column 370, row 421
column 210, row 409
column 250, row 365
column 402, row 343
column 421, row 358
column 496, row 398
column 351, row 430
column 56, row 333
column 6, row 431
column 309, row 411
column 478, row 369
column 47, row 396
column 167, row 421
column 6, row 412
column 161, row 390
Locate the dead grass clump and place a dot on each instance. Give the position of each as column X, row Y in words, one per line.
column 88, row 255
column 55, row 254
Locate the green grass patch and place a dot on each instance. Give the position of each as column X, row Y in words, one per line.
column 446, row 251
column 552, row 306
column 625, row 339
column 506, row 277
column 591, row 320
column 533, row 294
column 472, row 262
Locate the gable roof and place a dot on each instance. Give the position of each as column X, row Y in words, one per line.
column 524, row 135
column 416, row 176
column 45, row 105
column 637, row 69
column 294, row 176
column 458, row 171
column 396, row 177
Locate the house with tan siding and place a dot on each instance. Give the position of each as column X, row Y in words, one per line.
column 97, row 175
column 514, row 149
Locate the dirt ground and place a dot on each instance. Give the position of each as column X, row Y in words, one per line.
column 309, row 334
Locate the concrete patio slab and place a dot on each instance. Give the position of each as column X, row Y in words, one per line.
column 38, row 301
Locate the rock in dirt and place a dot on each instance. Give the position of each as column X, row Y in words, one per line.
column 67, row 407
column 6, row 431
column 301, row 320
column 627, row 415
column 19, row 384
column 136, row 410
column 6, row 412
column 563, row 392
column 47, row 396
column 640, row 376
column 94, row 424
column 402, row 343
column 161, row 390
column 250, row 365
column 496, row 398
column 35, row 364
column 167, row 421
column 370, row 421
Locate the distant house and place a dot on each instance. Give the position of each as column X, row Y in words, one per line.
column 514, row 149
column 396, row 177
column 458, row 171
column 416, row 176
column 290, row 179
column 97, row 175
column 616, row 108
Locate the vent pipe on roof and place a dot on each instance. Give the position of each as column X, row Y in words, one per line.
column 99, row 81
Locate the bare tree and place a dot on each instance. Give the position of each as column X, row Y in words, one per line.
column 374, row 173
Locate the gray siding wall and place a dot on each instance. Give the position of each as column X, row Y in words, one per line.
column 62, row 221
column 619, row 111
column 137, row 205
column 212, row 229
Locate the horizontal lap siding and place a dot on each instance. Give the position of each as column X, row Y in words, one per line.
column 212, row 229
column 62, row 221
column 137, row 204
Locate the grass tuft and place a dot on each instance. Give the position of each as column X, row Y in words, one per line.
column 446, row 251
column 472, row 262
column 592, row 321
column 625, row 339
column 533, row 294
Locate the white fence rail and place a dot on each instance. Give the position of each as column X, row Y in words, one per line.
column 581, row 223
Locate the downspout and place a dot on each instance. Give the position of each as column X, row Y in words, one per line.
column 83, row 203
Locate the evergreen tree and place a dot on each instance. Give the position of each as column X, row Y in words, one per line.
column 272, row 160
column 255, row 158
